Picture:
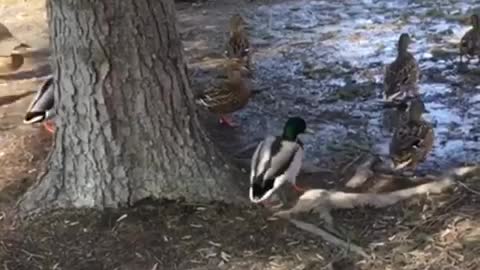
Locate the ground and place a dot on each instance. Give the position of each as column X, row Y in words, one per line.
column 319, row 59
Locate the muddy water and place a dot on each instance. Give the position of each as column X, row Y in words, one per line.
column 323, row 60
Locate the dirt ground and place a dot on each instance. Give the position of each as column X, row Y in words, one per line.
column 297, row 60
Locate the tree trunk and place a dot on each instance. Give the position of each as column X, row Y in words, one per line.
column 127, row 127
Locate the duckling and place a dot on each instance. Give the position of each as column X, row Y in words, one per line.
column 42, row 107
column 228, row 96
column 8, row 43
column 11, row 63
column 470, row 42
column 276, row 161
column 412, row 140
column 238, row 45
column 401, row 75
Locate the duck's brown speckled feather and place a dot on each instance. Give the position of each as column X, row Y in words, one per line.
column 411, row 143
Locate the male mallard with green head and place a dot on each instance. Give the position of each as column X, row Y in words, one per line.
column 276, row 161
column 470, row 42
column 401, row 75
column 42, row 109
column 413, row 139
column 238, row 45
column 228, row 96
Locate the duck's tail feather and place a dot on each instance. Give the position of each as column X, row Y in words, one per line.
column 34, row 117
column 44, row 100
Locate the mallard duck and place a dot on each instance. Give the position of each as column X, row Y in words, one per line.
column 11, row 63
column 412, row 140
column 229, row 95
column 470, row 42
column 8, row 43
column 238, row 45
column 42, row 107
column 401, row 75
column 394, row 114
column 276, row 161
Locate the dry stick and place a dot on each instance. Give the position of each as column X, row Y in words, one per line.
column 328, row 237
column 465, row 186
column 362, row 173
column 349, row 164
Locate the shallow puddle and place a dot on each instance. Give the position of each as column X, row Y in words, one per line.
column 324, row 60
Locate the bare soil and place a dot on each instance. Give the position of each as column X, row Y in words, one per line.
column 433, row 232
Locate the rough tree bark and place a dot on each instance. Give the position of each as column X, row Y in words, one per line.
column 127, row 125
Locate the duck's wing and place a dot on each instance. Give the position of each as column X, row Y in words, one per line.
column 218, row 96
column 41, row 104
column 399, row 73
column 411, row 144
column 238, row 45
column 261, row 157
column 273, row 159
column 410, row 137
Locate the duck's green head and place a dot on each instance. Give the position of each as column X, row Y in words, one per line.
column 475, row 20
column 293, row 127
column 403, row 42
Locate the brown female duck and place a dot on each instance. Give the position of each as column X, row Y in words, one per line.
column 470, row 42
column 229, row 95
column 412, row 140
column 238, row 45
column 401, row 75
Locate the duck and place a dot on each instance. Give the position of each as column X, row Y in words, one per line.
column 277, row 160
column 42, row 107
column 238, row 45
column 402, row 74
column 470, row 42
column 10, row 44
column 412, row 140
column 394, row 114
column 227, row 96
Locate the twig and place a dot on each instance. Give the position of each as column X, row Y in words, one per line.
column 362, row 173
column 465, row 186
column 32, row 254
column 349, row 164
column 328, row 237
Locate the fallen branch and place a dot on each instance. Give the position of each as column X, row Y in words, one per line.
column 465, row 186
column 322, row 201
column 328, row 237
column 362, row 173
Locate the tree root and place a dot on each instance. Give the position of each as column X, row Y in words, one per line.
column 322, row 201
column 362, row 173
